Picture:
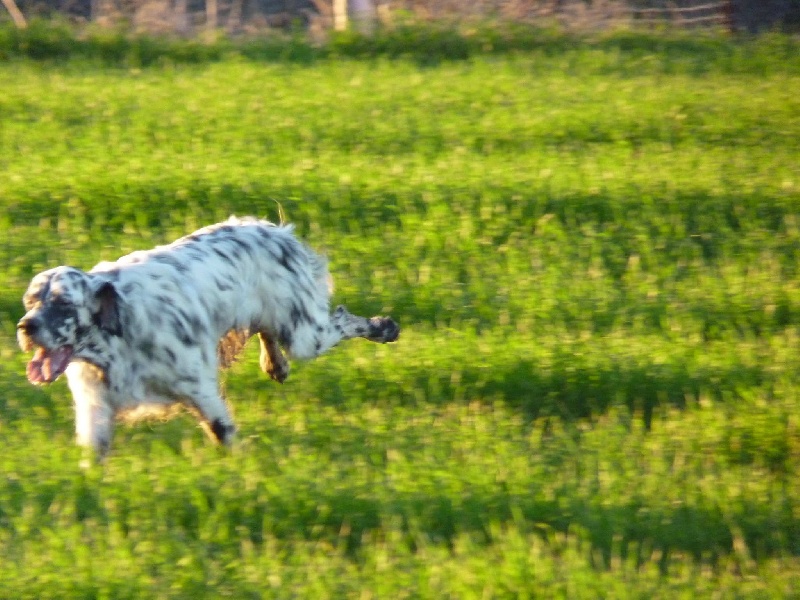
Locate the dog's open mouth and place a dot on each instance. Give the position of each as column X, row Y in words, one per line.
column 47, row 365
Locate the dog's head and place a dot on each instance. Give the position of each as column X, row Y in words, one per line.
column 69, row 313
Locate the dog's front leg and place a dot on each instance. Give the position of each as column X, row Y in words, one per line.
column 94, row 416
column 272, row 360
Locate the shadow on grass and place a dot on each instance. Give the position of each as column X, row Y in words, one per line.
column 349, row 520
column 567, row 388
column 673, row 221
column 689, row 215
column 622, row 531
column 632, row 528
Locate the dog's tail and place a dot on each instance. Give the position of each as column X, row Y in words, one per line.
column 231, row 345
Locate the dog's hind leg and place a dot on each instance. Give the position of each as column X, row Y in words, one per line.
column 272, row 360
column 375, row 329
column 312, row 339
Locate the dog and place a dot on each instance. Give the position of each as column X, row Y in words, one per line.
column 152, row 329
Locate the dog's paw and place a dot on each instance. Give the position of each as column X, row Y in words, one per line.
column 383, row 330
column 278, row 372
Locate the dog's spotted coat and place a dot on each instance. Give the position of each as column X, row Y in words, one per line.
column 152, row 328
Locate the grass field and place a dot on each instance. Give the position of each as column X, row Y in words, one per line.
column 592, row 246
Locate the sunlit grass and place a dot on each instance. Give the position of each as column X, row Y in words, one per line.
column 592, row 248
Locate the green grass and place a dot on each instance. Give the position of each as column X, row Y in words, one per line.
column 592, row 246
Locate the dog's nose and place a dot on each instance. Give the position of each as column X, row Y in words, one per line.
column 28, row 326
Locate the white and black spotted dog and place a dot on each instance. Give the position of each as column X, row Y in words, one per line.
column 152, row 328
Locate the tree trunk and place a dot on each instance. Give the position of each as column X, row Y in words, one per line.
column 211, row 14
column 340, row 15
column 16, row 14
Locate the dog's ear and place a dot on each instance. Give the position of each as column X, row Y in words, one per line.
column 106, row 315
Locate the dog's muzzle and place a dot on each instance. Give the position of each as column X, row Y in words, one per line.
column 47, row 364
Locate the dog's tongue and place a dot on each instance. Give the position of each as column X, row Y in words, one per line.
column 47, row 365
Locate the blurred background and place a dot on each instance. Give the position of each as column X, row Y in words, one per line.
column 585, row 217
column 185, row 16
